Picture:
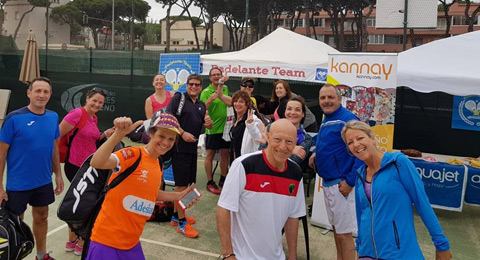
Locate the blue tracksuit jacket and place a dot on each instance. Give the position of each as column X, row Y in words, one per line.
column 386, row 226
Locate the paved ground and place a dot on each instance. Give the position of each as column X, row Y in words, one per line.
column 161, row 241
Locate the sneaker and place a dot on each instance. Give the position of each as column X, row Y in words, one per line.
column 190, row 220
column 213, row 188
column 187, row 230
column 70, row 246
column 78, row 250
column 46, row 257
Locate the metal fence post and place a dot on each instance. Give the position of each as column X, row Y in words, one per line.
column 91, row 60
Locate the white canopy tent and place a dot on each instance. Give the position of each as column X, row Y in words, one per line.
column 449, row 65
column 282, row 54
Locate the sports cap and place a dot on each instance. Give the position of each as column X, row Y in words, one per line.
column 167, row 121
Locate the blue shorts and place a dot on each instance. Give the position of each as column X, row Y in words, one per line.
column 100, row 251
column 38, row 197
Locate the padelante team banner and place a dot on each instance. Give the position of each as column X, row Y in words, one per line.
column 177, row 68
column 298, row 72
column 466, row 113
column 367, row 82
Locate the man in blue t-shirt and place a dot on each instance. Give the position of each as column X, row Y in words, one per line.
column 29, row 147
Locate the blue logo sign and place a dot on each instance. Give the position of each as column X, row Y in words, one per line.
column 321, row 74
column 177, row 68
column 472, row 193
column 466, row 113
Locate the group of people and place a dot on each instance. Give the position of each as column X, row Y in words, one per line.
column 262, row 195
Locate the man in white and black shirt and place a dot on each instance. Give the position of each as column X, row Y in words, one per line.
column 263, row 194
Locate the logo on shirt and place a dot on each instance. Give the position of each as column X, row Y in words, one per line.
column 138, row 205
column 291, row 188
column 143, row 177
column 264, row 184
column 31, row 123
column 127, row 154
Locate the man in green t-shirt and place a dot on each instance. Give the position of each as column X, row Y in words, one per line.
column 217, row 110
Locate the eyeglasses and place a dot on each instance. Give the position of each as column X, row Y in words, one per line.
column 248, row 86
column 100, row 91
column 194, row 84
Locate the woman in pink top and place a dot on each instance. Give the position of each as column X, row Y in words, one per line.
column 82, row 145
column 160, row 98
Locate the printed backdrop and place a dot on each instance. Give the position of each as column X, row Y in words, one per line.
column 177, row 68
column 367, row 83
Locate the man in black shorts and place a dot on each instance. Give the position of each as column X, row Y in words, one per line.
column 29, row 136
column 217, row 110
column 191, row 114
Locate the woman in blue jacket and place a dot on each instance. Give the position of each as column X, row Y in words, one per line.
column 385, row 189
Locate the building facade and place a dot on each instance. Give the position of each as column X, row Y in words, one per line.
column 33, row 21
column 384, row 40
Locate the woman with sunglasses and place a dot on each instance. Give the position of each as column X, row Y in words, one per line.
column 82, row 145
column 160, row 98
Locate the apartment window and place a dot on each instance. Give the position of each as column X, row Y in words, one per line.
column 371, row 22
column 375, row 38
column 319, row 22
column 319, row 37
column 17, row 15
column 441, row 23
column 5, row 16
column 331, row 41
column 462, row 20
column 347, row 25
column 418, row 41
column 175, row 42
column 300, row 23
column 287, row 22
column 190, row 42
column 392, row 39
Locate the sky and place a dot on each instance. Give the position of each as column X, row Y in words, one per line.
column 157, row 12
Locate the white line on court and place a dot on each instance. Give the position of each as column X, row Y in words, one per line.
column 57, row 229
column 179, row 247
column 151, row 242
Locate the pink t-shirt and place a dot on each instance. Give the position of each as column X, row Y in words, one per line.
column 84, row 143
column 156, row 105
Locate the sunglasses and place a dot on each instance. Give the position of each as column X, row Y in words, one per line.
column 194, row 84
column 100, row 91
column 248, row 86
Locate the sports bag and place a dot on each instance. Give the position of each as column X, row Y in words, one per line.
column 162, row 212
column 83, row 200
column 66, row 140
column 16, row 238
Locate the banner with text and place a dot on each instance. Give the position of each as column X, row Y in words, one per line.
column 272, row 70
column 466, row 113
column 177, row 68
column 445, row 184
column 472, row 193
column 367, row 83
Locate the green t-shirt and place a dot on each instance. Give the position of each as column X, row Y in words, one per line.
column 217, row 110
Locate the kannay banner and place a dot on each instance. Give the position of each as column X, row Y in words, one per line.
column 444, row 183
column 367, row 82
column 298, row 72
column 177, row 68
column 466, row 113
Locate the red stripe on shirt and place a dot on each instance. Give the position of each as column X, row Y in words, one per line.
column 271, row 184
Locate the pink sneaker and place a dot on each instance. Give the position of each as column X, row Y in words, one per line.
column 70, row 246
column 78, row 250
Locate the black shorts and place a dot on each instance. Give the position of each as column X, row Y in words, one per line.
column 70, row 170
column 38, row 197
column 216, row 142
column 184, row 167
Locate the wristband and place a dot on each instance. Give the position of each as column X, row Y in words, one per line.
column 182, row 133
column 227, row 256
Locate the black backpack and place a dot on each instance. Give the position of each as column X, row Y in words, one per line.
column 16, row 238
column 83, row 200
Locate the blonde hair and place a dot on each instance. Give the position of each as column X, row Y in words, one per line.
column 357, row 125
